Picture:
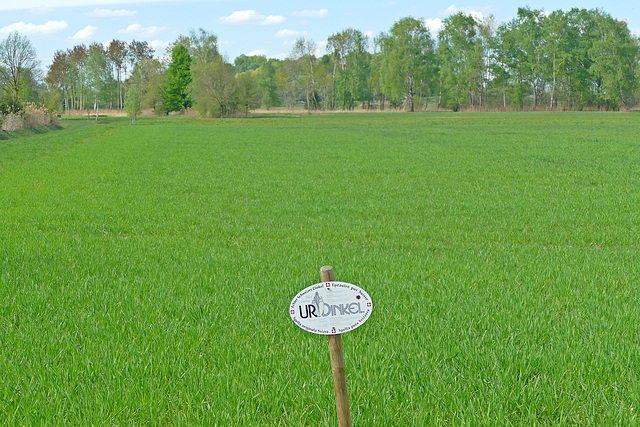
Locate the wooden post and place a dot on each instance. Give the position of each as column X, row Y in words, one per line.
column 337, row 364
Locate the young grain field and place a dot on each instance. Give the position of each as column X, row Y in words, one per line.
column 146, row 272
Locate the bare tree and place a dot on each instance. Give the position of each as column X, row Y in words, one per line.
column 18, row 67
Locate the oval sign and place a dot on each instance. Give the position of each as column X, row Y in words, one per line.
column 331, row 308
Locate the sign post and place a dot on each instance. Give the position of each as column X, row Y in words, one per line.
column 338, row 368
column 333, row 308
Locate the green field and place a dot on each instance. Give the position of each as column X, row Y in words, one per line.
column 146, row 271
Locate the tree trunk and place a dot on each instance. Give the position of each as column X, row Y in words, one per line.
column 553, row 88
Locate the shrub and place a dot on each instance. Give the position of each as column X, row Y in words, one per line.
column 33, row 115
column 12, row 122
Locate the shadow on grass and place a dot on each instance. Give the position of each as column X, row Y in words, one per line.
column 38, row 130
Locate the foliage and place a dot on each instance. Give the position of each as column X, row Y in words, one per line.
column 267, row 85
column 303, row 70
column 214, row 88
column 248, row 63
column 176, row 92
column 133, row 104
column 19, row 70
column 461, row 53
column 149, row 77
column 29, row 117
column 615, row 64
column 408, row 60
column 247, row 92
column 350, row 67
column 203, row 46
column 67, row 76
column 98, row 80
column 578, row 59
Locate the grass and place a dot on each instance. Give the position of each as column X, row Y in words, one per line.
column 4, row 135
column 146, row 271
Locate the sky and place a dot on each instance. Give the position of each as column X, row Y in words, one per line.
column 249, row 27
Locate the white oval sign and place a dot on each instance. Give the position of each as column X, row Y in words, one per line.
column 331, row 308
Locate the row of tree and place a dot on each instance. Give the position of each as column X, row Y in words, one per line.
column 569, row 60
column 95, row 76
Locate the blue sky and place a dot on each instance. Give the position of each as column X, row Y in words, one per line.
column 263, row 27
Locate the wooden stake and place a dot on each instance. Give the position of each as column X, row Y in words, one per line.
column 337, row 364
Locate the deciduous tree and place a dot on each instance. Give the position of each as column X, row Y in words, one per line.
column 99, row 80
column 133, row 104
column 303, row 54
column 267, row 85
column 350, row 67
column 214, row 87
column 407, row 59
column 19, row 72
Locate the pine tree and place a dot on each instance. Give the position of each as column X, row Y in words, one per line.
column 176, row 93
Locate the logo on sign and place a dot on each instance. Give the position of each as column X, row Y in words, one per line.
column 318, row 308
column 331, row 308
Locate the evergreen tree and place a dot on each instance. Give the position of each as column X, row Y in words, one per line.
column 176, row 93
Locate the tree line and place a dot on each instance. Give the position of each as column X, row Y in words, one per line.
column 579, row 59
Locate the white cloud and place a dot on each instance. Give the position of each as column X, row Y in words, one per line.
column 259, row 52
column 311, row 13
column 49, row 28
column 251, row 17
column 434, row 25
column 159, row 46
column 478, row 12
column 370, row 34
column 283, row 34
column 110, row 13
column 137, row 30
column 86, row 33
column 321, row 48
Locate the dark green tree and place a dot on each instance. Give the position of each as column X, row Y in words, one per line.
column 176, row 92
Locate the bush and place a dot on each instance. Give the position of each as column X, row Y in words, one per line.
column 32, row 116
column 12, row 122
